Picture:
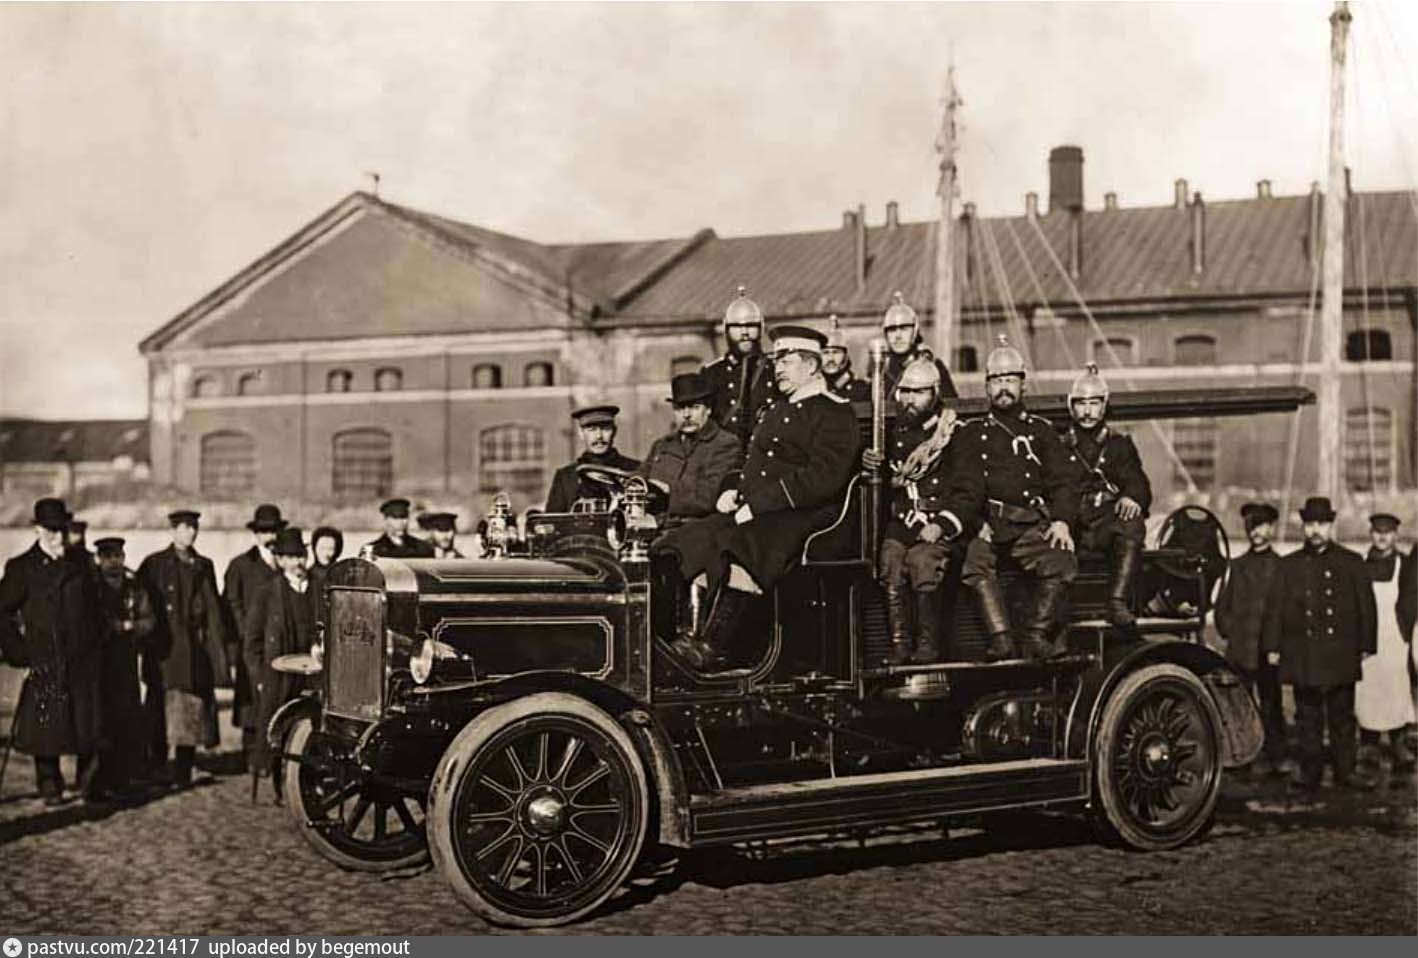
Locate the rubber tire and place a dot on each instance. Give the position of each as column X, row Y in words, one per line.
column 296, row 738
column 1113, row 819
column 460, row 756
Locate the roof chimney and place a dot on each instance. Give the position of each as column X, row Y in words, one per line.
column 1031, row 205
column 1198, row 243
column 371, row 183
column 1075, row 243
column 859, row 237
column 849, row 219
column 1312, row 238
column 969, row 208
column 1179, row 194
column 1065, row 178
column 1262, row 189
column 1110, row 201
column 893, row 215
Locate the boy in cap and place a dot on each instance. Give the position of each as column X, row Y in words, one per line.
column 50, row 603
column 1240, row 618
column 1383, row 700
column 442, row 529
column 1319, row 623
column 596, row 425
column 694, row 460
column 247, row 577
column 396, row 543
column 128, row 610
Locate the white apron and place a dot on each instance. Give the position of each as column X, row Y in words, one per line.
column 1383, row 700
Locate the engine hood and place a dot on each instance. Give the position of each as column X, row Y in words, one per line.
column 512, row 576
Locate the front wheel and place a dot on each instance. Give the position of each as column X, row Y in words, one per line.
column 538, row 811
column 1158, row 758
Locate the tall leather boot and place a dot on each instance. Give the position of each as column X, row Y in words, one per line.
column 184, row 758
column 710, row 652
column 901, row 645
column 1048, row 597
column 994, row 615
column 928, row 614
column 1126, row 560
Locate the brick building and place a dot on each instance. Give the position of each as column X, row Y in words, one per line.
column 45, row 457
column 382, row 348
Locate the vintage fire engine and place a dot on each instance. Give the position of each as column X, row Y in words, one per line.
column 523, row 719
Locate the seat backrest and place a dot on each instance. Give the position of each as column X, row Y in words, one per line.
column 847, row 540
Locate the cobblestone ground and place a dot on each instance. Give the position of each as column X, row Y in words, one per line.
column 208, row 861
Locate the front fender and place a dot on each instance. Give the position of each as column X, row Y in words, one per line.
column 285, row 716
column 1242, row 733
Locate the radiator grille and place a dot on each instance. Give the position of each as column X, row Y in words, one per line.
column 354, row 654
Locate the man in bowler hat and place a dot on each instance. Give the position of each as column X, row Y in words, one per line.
column 244, row 586
column 692, row 462
column 597, row 427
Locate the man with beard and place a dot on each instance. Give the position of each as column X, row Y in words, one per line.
column 49, row 601
column 597, row 427
column 902, row 330
column 1116, row 493
column 800, row 458
column 694, row 460
column 244, row 587
column 1320, row 623
column 1383, row 700
column 741, row 380
column 1240, row 618
column 837, row 366
column 128, row 610
column 916, row 544
column 1019, row 480
column 442, row 529
column 396, row 543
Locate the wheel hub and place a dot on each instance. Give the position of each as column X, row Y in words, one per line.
column 1156, row 757
column 546, row 814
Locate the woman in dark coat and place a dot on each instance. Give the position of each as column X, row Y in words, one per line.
column 326, row 547
column 290, row 628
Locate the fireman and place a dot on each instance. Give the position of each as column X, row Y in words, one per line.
column 741, row 379
column 1116, row 493
column 837, row 366
column 902, row 330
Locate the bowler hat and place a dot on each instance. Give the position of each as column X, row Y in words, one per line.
column 1317, row 509
column 1384, row 521
column 395, row 508
column 180, row 517
column 288, row 542
column 599, row 415
column 790, row 337
column 442, row 521
column 1256, row 513
column 689, row 388
column 108, row 545
column 267, row 519
column 51, row 514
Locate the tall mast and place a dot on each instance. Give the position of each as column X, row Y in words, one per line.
column 1330, row 410
column 944, row 344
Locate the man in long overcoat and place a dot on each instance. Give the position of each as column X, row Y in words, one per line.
column 245, row 581
column 1320, row 622
column 128, row 610
column 693, row 461
column 189, row 642
column 289, row 607
column 53, row 596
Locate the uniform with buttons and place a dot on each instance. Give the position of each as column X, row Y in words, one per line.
column 733, row 378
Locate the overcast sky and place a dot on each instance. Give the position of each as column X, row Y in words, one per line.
column 149, row 151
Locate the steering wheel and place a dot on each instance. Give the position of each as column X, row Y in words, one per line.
column 614, row 480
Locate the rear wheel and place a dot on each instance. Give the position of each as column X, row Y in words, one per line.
column 355, row 824
column 538, row 811
column 1158, row 758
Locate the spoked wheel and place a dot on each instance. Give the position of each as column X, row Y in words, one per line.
column 538, row 811
column 355, row 825
column 1158, row 758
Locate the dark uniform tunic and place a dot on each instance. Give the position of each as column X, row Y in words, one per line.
column 695, row 467
column 800, row 459
column 568, row 485
column 411, row 548
column 896, row 364
column 742, row 386
column 1320, row 616
column 56, row 602
column 288, row 628
column 849, row 387
column 915, row 504
column 125, row 601
column 1111, row 469
column 246, row 578
column 1240, row 619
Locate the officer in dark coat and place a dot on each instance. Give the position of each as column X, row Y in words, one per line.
column 919, row 541
column 1116, row 493
column 128, row 611
column 49, row 598
column 288, row 627
column 442, row 529
column 189, row 642
column 800, row 458
column 741, row 380
column 570, row 483
column 1240, row 620
column 1015, row 475
column 695, row 460
column 244, row 584
column 1320, row 621
column 837, row 366
column 902, row 330
column 396, row 543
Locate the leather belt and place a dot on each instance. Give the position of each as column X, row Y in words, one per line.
column 1013, row 513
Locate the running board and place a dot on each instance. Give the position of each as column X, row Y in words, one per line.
column 819, row 805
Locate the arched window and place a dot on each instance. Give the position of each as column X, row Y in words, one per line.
column 1101, row 351
column 487, row 376
column 1194, row 350
column 249, row 383
column 685, row 364
column 512, row 459
column 204, row 387
column 363, row 464
column 1368, row 449
column 338, row 381
column 388, row 379
column 537, row 374
column 1195, row 443
column 228, row 463
column 967, row 359
column 1368, row 346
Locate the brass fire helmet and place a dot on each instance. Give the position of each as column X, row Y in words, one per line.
column 1004, row 360
column 898, row 314
column 920, row 373
column 743, row 311
column 1090, row 384
column 836, row 338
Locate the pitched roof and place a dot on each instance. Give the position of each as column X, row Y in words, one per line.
column 76, row 440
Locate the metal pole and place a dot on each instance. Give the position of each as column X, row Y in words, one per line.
column 944, row 338
column 1330, row 410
